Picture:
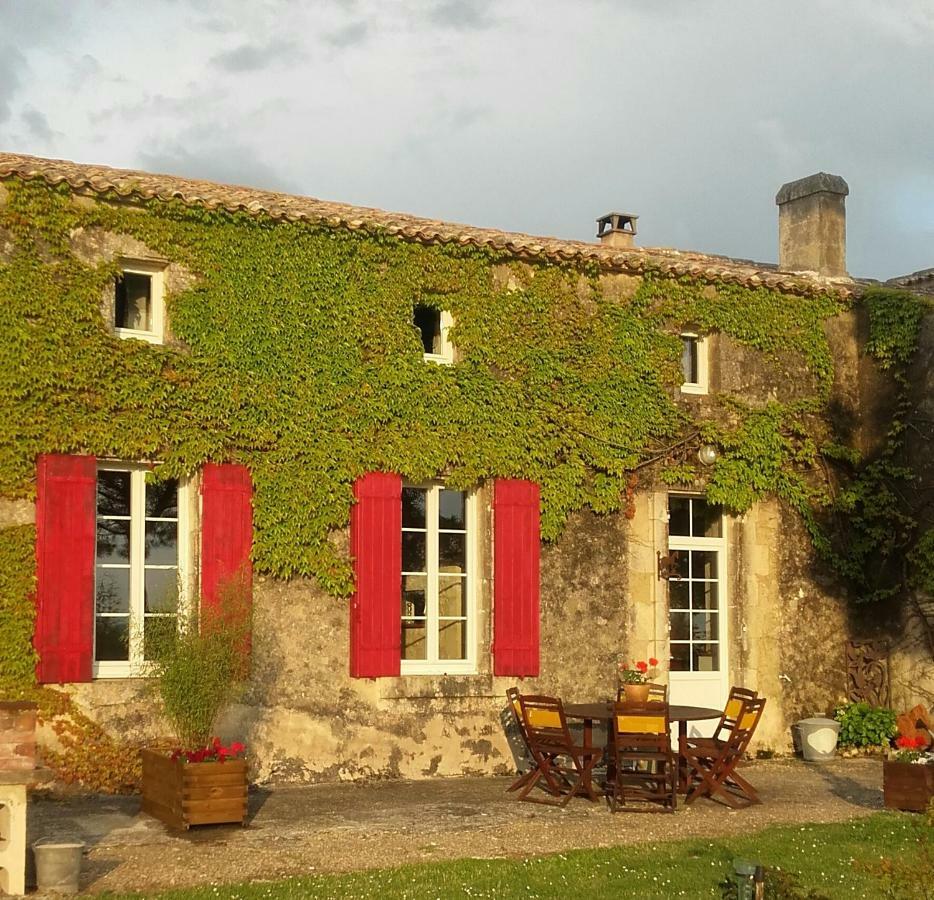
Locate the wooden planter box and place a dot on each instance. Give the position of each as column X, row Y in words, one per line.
column 907, row 786
column 182, row 794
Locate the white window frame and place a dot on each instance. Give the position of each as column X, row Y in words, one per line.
column 687, row 542
column 156, row 273
column 136, row 666
column 431, row 665
column 700, row 386
column 446, row 356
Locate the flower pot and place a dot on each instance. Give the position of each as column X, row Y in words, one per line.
column 58, row 865
column 908, row 786
column 182, row 793
column 635, row 694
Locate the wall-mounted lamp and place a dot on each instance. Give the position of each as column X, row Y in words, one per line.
column 708, row 454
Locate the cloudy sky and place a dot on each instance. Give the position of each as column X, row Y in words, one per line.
column 525, row 115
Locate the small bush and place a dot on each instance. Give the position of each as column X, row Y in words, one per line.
column 862, row 725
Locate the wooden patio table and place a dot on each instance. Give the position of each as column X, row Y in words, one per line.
column 680, row 714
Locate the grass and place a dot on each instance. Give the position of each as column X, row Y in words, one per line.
column 832, row 860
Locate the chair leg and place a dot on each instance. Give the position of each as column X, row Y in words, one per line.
column 521, row 780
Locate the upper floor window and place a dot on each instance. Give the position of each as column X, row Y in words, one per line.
column 139, row 566
column 433, row 326
column 693, row 363
column 138, row 304
column 438, row 596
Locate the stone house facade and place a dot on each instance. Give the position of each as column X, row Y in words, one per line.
column 410, row 682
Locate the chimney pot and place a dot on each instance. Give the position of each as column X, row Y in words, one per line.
column 617, row 229
column 812, row 225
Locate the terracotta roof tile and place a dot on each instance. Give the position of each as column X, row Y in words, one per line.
column 133, row 185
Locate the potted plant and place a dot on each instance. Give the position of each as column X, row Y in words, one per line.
column 199, row 670
column 908, row 775
column 634, row 680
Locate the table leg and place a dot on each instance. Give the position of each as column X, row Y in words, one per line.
column 682, row 762
column 588, row 742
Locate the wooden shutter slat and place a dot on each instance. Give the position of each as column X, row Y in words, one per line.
column 516, row 579
column 66, row 514
column 376, row 606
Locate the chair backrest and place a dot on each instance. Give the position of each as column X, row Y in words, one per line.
column 544, row 721
column 732, row 710
column 513, row 695
column 744, row 726
column 645, row 729
column 658, row 693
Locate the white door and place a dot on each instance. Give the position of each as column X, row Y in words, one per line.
column 697, row 606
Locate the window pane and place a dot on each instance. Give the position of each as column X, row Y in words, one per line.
column 159, row 633
column 112, row 594
column 112, row 639
column 679, row 560
column 161, row 543
column 133, row 302
column 428, row 323
column 689, row 359
column 706, row 657
column 704, row 626
column 679, row 516
column 679, row 626
column 113, row 493
column 413, row 551
column 679, row 594
column 161, row 591
column 413, row 507
column 452, row 596
column 113, row 541
column 705, row 518
column 451, row 509
column 413, row 602
column 704, row 564
column 452, row 640
column 452, row 552
column 162, row 499
column 680, row 657
column 414, row 644
column 704, row 595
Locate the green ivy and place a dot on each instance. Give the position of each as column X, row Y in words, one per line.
column 17, row 610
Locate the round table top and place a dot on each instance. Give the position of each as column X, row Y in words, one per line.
column 604, row 710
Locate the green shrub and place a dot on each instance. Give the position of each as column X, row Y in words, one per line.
column 862, row 725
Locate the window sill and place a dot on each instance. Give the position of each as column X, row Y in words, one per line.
column 696, row 389
column 150, row 337
column 438, row 359
column 453, row 685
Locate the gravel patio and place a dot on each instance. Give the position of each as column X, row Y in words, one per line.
column 299, row 830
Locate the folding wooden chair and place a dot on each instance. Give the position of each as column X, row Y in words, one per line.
column 726, row 724
column 512, row 695
column 712, row 767
column 564, row 768
column 658, row 693
column 644, row 769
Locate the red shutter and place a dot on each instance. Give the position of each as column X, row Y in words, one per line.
column 226, row 530
column 66, row 513
column 516, row 543
column 376, row 545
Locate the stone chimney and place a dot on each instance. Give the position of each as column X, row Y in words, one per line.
column 617, row 229
column 812, row 225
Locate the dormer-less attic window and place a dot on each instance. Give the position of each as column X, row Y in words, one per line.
column 433, row 325
column 138, row 302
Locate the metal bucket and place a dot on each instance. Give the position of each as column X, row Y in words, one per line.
column 818, row 738
column 58, row 865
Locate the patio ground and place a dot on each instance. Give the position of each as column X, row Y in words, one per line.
column 338, row 827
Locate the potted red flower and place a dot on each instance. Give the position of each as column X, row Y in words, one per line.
column 634, row 680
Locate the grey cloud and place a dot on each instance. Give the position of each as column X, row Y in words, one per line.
column 11, row 64
column 38, row 125
column 253, row 57
column 348, row 36
column 461, row 15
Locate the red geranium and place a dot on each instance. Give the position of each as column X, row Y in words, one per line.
column 214, row 752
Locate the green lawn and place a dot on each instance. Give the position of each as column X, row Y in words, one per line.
column 816, row 857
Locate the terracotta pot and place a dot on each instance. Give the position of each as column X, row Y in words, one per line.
column 636, row 694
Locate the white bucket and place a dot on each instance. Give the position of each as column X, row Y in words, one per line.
column 58, row 865
column 818, row 738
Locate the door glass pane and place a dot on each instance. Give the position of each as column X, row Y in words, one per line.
column 680, row 560
column 705, row 519
column 679, row 626
column 112, row 592
column 679, row 594
column 451, row 509
column 680, row 657
column 679, row 516
column 414, row 644
column 159, row 633
column 452, row 552
column 162, row 499
column 413, row 551
column 452, row 596
column 704, row 564
column 452, row 640
column 413, row 597
column 113, row 493
column 161, row 591
column 704, row 594
column 706, row 657
column 413, row 507
column 113, row 541
column 161, row 543
column 704, row 626
column 112, row 638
